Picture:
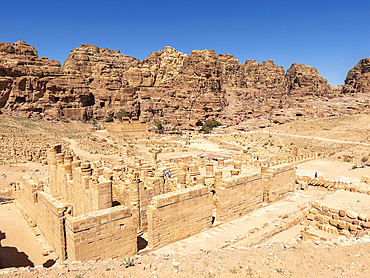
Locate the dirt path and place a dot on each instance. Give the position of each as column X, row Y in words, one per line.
column 85, row 155
column 310, row 137
column 332, row 170
column 12, row 173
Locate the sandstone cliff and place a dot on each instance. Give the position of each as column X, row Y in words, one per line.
column 306, row 81
column 38, row 85
column 181, row 89
column 358, row 78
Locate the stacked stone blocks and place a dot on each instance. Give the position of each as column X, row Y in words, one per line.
column 177, row 215
column 345, row 220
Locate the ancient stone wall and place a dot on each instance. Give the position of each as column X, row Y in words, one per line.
column 102, row 234
column 344, row 213
column 44, row 210
column 153, row 186
column 132, row 127
column 238, row 195
column 50, row 220
column 76, row 182
column 278, row 180
column 360, row 187
column 177, row 215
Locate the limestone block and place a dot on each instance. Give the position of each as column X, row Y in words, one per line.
column 333, row 222
column 351, row 214
column 334, row 210
column 314, row 211
column 311, row 216
column 341, row 225
column 362, row 217
column 352, row 227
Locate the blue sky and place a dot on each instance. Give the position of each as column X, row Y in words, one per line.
column 329, row 35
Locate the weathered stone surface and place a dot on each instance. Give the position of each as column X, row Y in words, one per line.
column 38, row 85
column 358, row 78
column 305, row 80
column 178, row 88
column 351, row 214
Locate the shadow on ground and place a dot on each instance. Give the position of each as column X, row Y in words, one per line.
column 11, row 257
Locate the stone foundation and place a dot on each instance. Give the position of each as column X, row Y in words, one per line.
column 342, row 213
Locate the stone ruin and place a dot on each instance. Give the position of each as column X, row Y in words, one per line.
column 132, row 127
column 346, row 212
column 99, row 210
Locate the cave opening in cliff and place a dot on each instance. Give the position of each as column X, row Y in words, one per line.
column 20, row 99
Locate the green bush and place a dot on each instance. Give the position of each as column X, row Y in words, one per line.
column 364, row 159
column 346, row 159
column 109, row 119
column 121, row 114
column 158, row 125
column 209, row 125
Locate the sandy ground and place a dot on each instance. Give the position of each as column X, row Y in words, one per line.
column 12, row 173
column 300, row 260
column 185, row 258
column 87, row 156
column 332, row 170
column 20, row 246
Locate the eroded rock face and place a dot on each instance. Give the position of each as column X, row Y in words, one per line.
column 158, row 69
column 38, row 85
column 180, row 89
column 358, row 78
column 306, row 81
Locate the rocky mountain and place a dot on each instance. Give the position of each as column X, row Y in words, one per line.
column 182, row 90
column 306, row 81
column 358, row 78
column 31, row 84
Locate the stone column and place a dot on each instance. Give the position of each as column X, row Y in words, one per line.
column 181, row 179
column 209, row 170
column 218, row 177
column 194, row 170
column 154, row 158
column 52, row 169
column 138, row 162
column 201, row 180
column 182, row 167
column 237, row 165
column 135, row 200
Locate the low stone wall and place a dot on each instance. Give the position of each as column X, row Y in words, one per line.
column 278, row 180
column 342, row 213
column 44, row 210
column 238, row 195
column 360, row 187
column 102, row 234
column 50, row 220
column 365, row 179
column 177, row 215
column 7, row 193
column 153, row 186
